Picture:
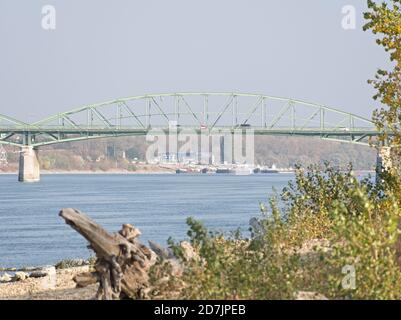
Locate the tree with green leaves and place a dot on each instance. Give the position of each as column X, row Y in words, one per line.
column 384, row 20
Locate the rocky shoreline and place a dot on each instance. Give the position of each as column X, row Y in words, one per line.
column 46, row 282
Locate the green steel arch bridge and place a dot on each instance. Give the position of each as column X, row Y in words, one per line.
column 202, row 112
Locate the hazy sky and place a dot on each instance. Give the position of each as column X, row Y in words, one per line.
column 103, row 50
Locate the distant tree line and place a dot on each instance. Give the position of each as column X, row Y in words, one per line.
column 123, row 152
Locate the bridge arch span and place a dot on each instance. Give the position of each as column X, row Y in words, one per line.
column 205, row 112
column 213, row 112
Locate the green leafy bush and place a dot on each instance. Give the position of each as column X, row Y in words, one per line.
column 323, row 223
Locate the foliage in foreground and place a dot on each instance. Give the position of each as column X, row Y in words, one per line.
column 384, row 20
column 322, row 227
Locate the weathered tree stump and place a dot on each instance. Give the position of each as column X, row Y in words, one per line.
column 122, row 261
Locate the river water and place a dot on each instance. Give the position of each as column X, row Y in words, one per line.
column 32, row 233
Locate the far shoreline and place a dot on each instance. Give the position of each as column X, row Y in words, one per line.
column 139, row 172
column 95, row 172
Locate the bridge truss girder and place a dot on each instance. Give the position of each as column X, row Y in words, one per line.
column 211, row 113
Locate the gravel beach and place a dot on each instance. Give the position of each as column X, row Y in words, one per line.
column 38, row 289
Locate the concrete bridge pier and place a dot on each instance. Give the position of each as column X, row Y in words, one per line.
column 29, row 170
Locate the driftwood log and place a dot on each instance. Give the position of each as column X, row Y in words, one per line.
column 122, row 264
